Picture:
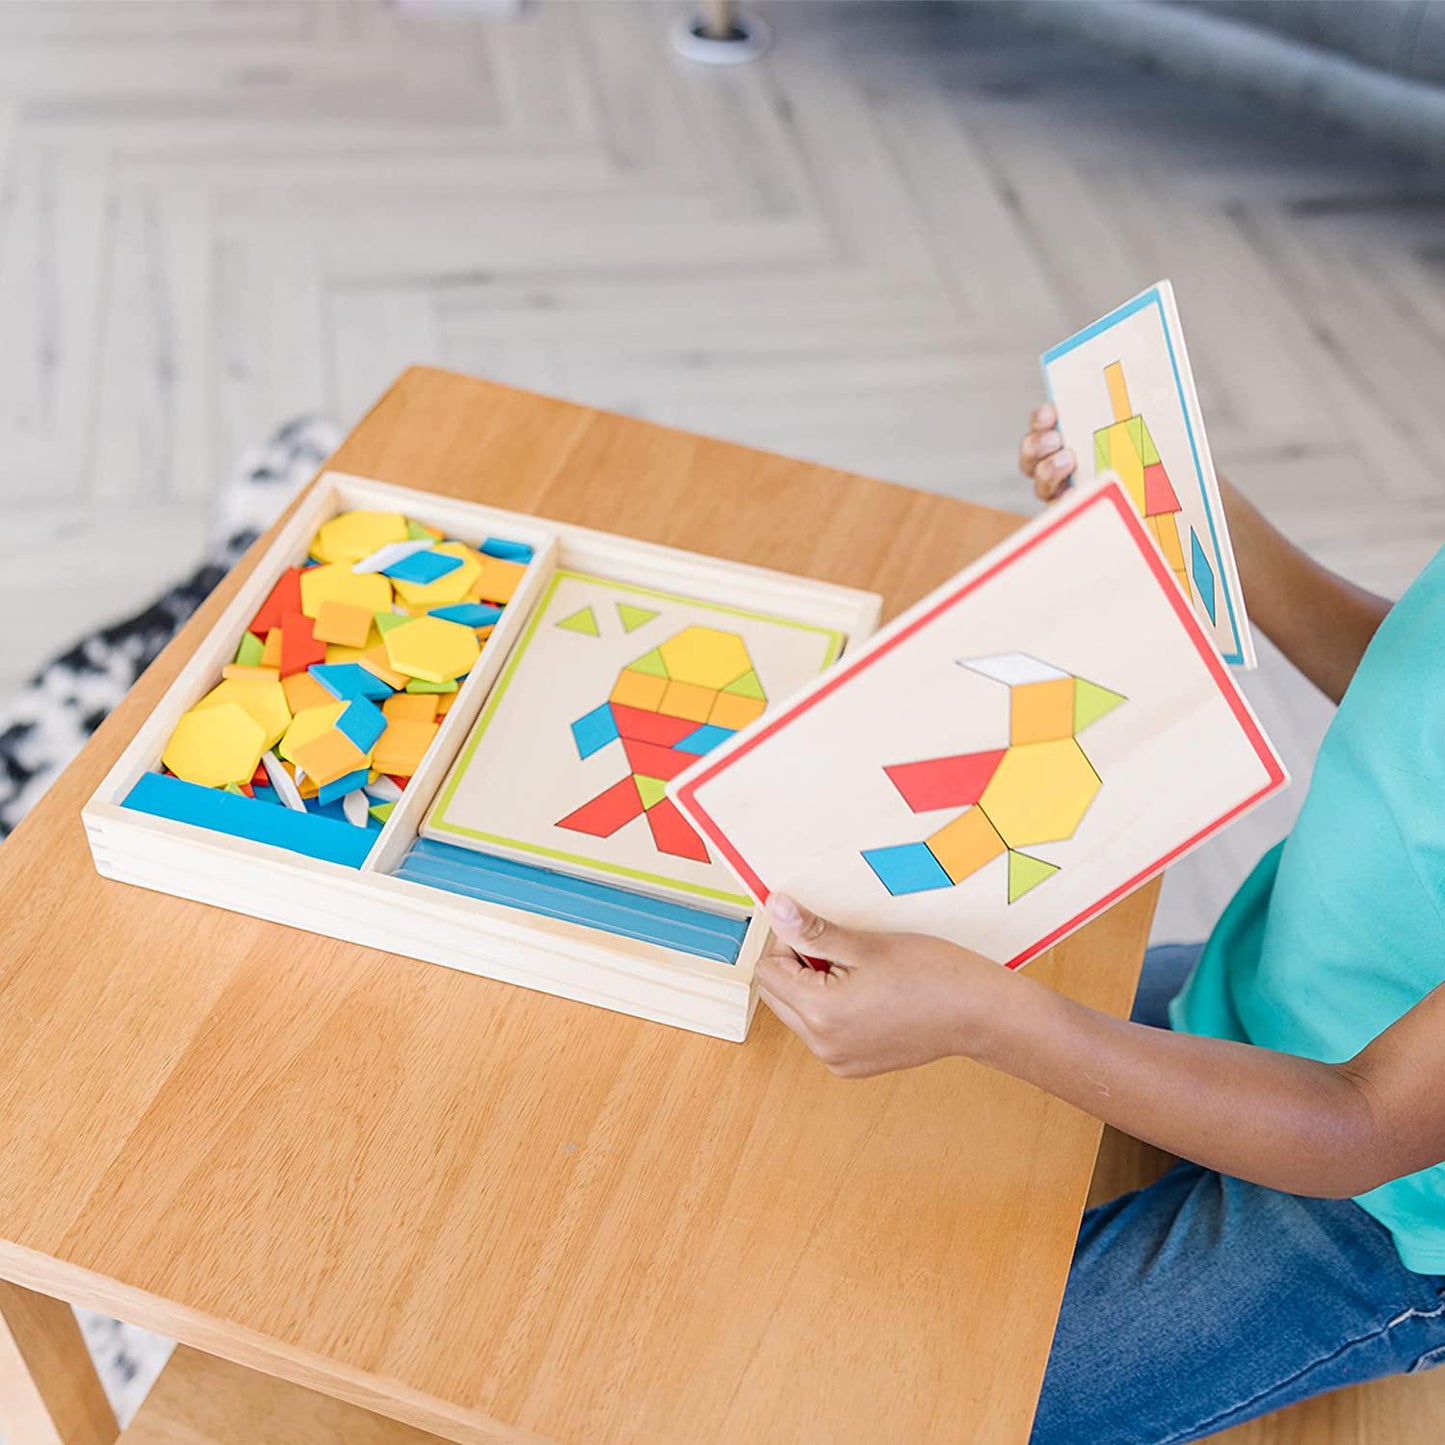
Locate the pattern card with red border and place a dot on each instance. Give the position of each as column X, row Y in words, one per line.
column 1023, row 748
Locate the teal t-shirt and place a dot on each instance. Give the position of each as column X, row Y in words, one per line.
column 1341, row 928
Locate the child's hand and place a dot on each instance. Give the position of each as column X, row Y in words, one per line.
column 887, row 1001
column 1043, row 457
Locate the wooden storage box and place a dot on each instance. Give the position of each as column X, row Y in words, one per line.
column 370, row 906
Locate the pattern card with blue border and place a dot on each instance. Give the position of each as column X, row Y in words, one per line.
column 1127, row 406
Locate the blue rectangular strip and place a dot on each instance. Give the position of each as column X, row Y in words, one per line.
column 574, row 900
column 310, row 833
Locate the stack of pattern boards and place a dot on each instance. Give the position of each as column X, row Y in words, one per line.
column 337, row 688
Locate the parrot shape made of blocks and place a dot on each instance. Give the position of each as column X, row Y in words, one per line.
column 666, row 709
column 1036, row 790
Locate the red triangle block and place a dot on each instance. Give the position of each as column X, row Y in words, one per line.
column 945, row 782
column 285, row 597
column 651, row 727
column 673, row 833
column 300, row 646
column 653, row 761
column 1159, row 493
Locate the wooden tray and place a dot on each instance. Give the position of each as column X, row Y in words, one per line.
column 370, row 906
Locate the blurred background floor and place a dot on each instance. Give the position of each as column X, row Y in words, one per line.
column 216, row 215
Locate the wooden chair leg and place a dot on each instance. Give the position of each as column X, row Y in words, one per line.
column 49, row 1391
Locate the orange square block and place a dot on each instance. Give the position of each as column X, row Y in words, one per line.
column 1041, row 712
column 303, row 691
column 687, row 699
column 328, row 757
column 401, row 747
column 639, row 689
column 411, row 707
column 733, row 711
column 342, row 622
column 499, row 579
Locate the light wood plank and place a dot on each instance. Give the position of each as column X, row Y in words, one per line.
column 49, row 1391
column 200, row 1400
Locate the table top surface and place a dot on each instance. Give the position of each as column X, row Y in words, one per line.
column 500, row 1215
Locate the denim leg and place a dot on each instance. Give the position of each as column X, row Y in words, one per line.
column 1166, row 967
column 1203, row 1301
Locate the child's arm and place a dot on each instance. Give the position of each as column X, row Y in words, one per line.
column 1321, row 622
column 889, row 1001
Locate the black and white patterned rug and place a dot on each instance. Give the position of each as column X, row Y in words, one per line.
column 44, row 725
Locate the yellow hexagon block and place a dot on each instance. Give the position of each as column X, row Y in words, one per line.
column 263, row 698
column 432, row 649
column 1040, row 792
column 216, row 745
column 336, row 582
column 354, row 535
column 705, row 657
column 445, row 590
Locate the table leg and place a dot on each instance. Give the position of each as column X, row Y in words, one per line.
column 49, row 1391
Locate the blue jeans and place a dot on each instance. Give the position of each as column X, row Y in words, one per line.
column 1203, row 1301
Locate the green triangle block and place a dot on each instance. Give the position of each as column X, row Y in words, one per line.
column 251, row 650
column 415, row 532
column 633, row 617
column 583, row 621
column 1025, row 873
column 1101, row 450
column 747, row 686
column 385, row 621
column 1091, row 702
column 381, row 811
column 1148, row 453
column 1136, row 434
column 234, row 788
column 419, row 684
column 650, row 663
column 650, row 790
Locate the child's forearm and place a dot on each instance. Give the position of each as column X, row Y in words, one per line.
column 1287, row 1123
column 1321, row 622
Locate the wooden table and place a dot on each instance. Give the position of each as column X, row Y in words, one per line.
column 493, row 1214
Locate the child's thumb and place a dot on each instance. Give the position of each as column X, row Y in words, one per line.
column 809, row 935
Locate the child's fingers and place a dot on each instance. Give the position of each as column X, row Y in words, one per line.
column 1037, row 445
column 1051, row 475
column 1043, row 417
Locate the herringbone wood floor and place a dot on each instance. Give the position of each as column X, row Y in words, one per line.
column 215, row 215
